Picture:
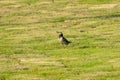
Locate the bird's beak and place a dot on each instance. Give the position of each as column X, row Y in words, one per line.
column 58, row 32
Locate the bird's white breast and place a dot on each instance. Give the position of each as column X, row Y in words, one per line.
column 60, row 39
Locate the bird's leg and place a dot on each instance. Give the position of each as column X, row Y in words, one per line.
column 63, row 45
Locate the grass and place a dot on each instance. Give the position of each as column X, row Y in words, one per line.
column 29, row 49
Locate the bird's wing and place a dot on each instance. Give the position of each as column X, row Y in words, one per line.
column 66, row 40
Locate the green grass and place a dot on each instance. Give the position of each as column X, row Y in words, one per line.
column 29, row 49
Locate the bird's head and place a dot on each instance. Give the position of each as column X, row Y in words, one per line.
column 60, row 34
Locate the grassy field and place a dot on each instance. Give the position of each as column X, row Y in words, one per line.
column 29, row 47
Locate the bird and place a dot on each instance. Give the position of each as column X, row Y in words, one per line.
column 62, row 39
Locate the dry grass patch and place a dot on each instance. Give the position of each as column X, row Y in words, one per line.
column 41, row 61
column 103, row 6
